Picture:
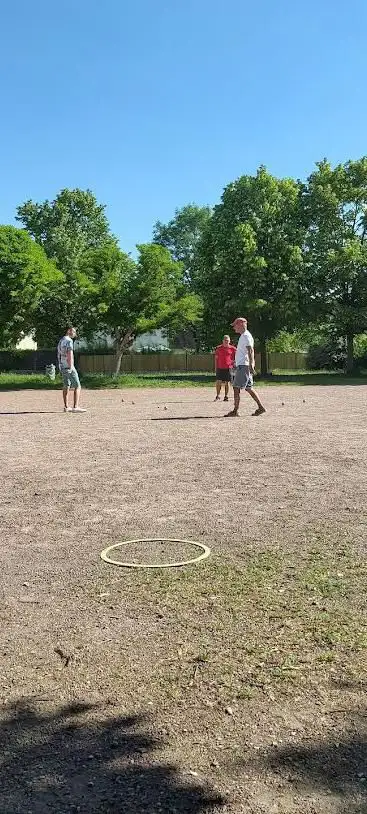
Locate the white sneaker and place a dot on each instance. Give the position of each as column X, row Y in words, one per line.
column 67, row 409
column 79, row 410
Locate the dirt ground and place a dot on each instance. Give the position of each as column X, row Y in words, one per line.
column 236, row 685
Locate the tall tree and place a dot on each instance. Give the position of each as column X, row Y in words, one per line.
column 182, row 234
column 250, row 258
column 128, row 298
column 335, row 270
column 66, row 228
column 25, row 276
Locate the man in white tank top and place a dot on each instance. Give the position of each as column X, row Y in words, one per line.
column 244, row 368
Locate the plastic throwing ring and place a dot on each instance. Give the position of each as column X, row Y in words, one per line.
column 105, row 554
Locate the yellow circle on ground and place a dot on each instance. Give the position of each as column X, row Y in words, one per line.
column 105, row 554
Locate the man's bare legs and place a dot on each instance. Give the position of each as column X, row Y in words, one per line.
column 237, row 399
column 65, row 395
column 218, row 387
column 226, row 391
column 255, row 397
column 77, row 392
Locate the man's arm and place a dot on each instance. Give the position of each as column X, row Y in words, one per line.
column 251, row 356
column 70, row 356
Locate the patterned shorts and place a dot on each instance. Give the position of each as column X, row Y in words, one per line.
column 70, row 378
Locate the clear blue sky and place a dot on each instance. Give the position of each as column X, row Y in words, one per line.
column 157, row 103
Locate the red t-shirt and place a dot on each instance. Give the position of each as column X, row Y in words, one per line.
column 224, row 356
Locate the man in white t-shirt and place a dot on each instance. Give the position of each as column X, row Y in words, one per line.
column 244, row 368
column 70, row 378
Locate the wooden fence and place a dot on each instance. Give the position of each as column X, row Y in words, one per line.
column 177, row 362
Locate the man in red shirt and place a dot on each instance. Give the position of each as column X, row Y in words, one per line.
column 224, row 361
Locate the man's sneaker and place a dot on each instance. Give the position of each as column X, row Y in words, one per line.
column 79, row 410
column 67, row 409
column 217, row 398
column 232, row 414
column 225, row 398
column 259, row 411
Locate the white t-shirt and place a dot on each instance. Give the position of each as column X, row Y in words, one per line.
column 65, row 344
column 245, row 341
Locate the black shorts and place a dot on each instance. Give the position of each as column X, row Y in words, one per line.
column 223, row 374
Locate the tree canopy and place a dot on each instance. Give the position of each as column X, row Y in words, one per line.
column 334, row 285
column 250, row 257
column 66, row 228
column 182, row 234
column 128, row 298
column 283, row 253
column 25, row 276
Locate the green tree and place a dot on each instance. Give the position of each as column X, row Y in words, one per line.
column 25, row 277
column 181, row 236
column 129, row 298
column 66, row 228
column 250, row 258
column 335, row 269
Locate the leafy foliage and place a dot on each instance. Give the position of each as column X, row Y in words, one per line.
column 335, row 269
column 251, row 256
column 66, row 228
column 182, row 234
column 25, row 276
column 129, row 298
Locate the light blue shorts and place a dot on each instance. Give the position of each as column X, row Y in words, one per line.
column 70, row 378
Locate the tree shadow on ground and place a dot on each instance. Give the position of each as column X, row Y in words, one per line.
column 80, row 758
column 338, row 765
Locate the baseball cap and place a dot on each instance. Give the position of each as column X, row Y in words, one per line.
column 238, row 319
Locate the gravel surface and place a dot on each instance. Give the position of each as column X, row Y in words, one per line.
column 237, row 685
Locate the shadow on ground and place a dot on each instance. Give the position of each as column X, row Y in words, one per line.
column 188, row 418
column 31, row 412
column 81, row 758
column 337, row 765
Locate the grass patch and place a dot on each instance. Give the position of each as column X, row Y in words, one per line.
column 100, row 381
column 273, row 625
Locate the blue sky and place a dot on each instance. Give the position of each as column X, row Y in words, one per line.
column 156, row 103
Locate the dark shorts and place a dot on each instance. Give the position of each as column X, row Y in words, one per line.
column 243, row 378
column 223, row 374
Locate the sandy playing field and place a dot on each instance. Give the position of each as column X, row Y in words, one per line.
column 237, row 685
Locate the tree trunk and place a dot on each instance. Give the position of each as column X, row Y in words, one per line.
column 121, row 343
column 350, row 353
column 264, row 357
column 118, row 358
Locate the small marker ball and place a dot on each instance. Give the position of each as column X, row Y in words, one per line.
column 282, row 403
column 166, row 408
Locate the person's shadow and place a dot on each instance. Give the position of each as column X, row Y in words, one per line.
column 80, row 758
